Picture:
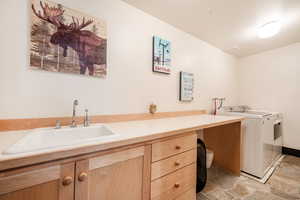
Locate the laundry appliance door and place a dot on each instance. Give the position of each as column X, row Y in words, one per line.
column 268, row 143
column 252, row 161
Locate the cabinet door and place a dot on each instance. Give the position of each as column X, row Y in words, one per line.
column 38, row 183
column 115, row 176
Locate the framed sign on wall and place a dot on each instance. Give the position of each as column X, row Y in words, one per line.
column 161, row 55
column 186, row 86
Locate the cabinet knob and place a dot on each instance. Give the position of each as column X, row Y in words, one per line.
column 177, row 147
column 82, row 176
column 67, row 180
column 176, row 185
column 177, row 163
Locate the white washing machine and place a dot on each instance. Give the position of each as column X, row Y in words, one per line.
column 261, row 139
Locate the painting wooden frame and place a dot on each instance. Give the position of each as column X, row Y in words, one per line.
column 67, row 41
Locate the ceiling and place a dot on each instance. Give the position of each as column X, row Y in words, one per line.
column 230, row 25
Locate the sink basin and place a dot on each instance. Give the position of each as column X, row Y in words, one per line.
column 44, row 139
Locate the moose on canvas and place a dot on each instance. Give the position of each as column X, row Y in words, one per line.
column 90, row 48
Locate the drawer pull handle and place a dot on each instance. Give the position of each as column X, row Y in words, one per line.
column 178, row 147
column 67, row 181
column 82, row 176
column 177, row 163
column 176, row 185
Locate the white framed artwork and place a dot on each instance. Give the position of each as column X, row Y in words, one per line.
column 186, row 86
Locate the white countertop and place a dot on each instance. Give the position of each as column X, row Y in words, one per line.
column 128, row 133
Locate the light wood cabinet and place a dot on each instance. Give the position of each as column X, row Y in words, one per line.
column 46, row 183
column 167, row 148
column 173, row 168
column 168, row 165
column 163, row 169
column 189, row 195
column 174, row 184
column 113, row 176
column 119, row 175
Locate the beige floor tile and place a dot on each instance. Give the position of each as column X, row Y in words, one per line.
column 284, row 184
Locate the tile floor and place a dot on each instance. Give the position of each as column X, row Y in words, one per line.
column 283, row 184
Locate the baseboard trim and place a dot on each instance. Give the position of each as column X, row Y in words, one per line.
column 292, row 152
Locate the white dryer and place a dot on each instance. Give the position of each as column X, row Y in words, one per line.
column 261, row 139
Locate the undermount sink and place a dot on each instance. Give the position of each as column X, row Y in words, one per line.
column 44, row 139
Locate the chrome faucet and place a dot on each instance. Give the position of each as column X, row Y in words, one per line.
column 86, row 121
column 73, row 123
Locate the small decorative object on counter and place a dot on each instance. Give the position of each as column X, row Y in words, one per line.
column 186, row 86
column 152, row 108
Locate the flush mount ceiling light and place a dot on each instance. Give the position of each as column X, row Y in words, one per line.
column 269, row 29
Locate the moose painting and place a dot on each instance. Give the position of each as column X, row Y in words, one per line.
column 63, row 40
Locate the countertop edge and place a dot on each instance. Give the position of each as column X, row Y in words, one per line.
column 39, row 158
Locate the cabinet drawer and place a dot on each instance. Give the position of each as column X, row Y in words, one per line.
column 171, row 147
column 175, row 184
column 166, row 166
column 189, row 195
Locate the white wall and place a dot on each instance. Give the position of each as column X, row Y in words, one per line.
column 130, row 85
column 271, row 81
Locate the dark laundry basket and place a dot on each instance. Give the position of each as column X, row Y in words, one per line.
column 201, row 165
